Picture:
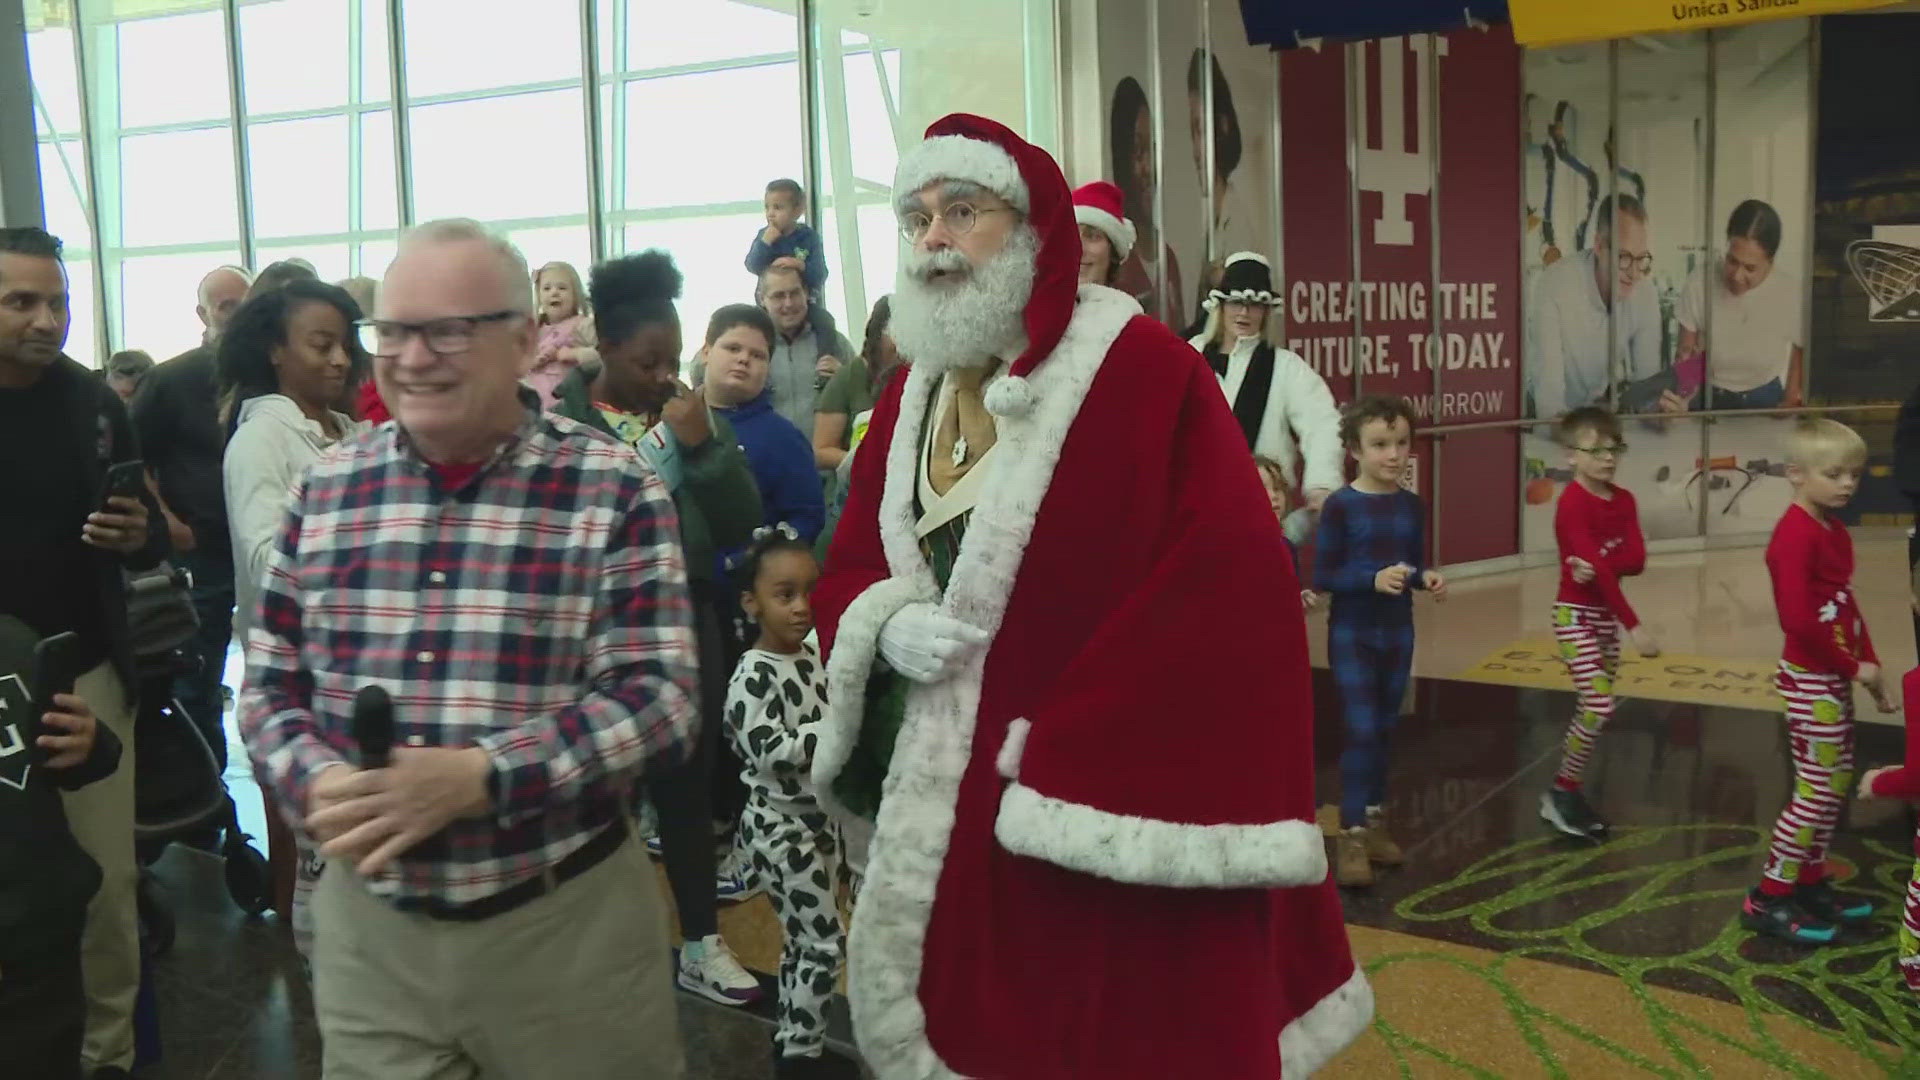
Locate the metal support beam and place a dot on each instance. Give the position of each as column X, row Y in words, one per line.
column 97, row 220
column 590, row 110
column 356, row 134
column 805, row 20
column 242, row 146
column 1356, row 141
column 402, row 133
column 1156, row 93
column 1433, row 494
column 1710, row 135
column 835, row 137
column 20, row 198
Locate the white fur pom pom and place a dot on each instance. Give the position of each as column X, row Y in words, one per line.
column 1011, row 397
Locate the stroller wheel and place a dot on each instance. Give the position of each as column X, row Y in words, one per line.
column 246, row 870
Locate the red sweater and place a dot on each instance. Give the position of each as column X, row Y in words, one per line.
column 1812, row 568
column 372, row 409
column 1605, row 533
column 1903, row 781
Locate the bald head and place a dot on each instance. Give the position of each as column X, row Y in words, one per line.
column 220, row 295
column 492, row 273
column 454, row 333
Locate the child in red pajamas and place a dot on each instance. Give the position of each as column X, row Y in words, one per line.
column 1598, row 528
column 1903, row 782
column 1810, row 559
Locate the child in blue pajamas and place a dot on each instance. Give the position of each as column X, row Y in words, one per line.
column 1370, row 554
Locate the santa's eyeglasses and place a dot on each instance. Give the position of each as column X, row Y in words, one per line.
column 960, row 219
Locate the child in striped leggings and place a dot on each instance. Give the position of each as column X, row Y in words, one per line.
column 1810, row 560
column 1598, row 528
column 1903, row 782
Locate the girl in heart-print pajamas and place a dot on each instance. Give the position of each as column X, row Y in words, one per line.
column 775, row 702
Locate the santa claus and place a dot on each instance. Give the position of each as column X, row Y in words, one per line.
column 1070, row 678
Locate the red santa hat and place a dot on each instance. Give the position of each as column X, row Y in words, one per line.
column 978, row 150
column 1101, row 205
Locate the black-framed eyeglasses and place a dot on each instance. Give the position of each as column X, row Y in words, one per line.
column 443, row 337
column 1615, row 451
column 1639, row 264
column 960, row 218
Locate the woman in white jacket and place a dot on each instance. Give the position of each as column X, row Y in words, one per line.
column 284, row 360
column 1282, row 404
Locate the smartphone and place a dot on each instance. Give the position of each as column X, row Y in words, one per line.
column 128, row 478
column 56, row 667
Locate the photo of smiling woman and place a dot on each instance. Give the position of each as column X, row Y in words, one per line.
column 1130, row 142
column 1756, row 329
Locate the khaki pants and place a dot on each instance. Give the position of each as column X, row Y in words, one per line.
column 578, row 983
column 101, row 817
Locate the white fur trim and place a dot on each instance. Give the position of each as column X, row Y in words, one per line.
column 956, row 157
column 935, row 743
column 1013, row 749
column 1119, row 230
column 1247, row 256
column 1316, row 1035
column 1010, row 397
column 848, row 667
column 1142, row 851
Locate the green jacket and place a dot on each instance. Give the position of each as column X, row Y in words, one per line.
column 718, row 500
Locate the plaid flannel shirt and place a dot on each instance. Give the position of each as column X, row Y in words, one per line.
column 538, row 612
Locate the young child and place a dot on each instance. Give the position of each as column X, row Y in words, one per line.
column 1810, row 560
column 787, row 238
column 777, row 697
column 1903, row 782
column 1597, row 524
column 46, row 878
column 566, row 331
column 1369, row 554
column 1273, row 477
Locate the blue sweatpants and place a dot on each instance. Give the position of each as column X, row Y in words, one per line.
column 1371, row 665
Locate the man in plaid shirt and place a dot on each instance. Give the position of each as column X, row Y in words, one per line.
column 515, row 582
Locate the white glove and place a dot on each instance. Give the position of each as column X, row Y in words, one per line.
column 926, row 644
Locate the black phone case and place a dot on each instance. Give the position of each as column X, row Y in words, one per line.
column 126, row 478
column 55, row 671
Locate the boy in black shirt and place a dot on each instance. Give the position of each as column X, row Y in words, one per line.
column 46, row 879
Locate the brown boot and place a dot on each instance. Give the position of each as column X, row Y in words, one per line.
column 1329, row 821
column 1351, row 868
column 1380, row 846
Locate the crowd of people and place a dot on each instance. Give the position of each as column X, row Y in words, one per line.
column 878, row 612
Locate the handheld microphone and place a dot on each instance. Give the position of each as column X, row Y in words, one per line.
column 373, row 727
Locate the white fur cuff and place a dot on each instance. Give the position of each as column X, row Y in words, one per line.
column 1321, row 1032
column 855, row 647
column 1142, row 851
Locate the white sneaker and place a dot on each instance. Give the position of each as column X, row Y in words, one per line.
column 709, row 968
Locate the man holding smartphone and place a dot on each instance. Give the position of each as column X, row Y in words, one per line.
column 62, row 559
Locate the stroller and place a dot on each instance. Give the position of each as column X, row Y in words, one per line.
column 178, row 790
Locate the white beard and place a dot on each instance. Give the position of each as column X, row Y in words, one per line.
column 964, row 324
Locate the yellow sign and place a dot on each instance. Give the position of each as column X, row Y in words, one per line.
column 1561, row 22
column 1696, row 680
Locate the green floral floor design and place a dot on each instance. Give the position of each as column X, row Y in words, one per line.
column 1635, row 908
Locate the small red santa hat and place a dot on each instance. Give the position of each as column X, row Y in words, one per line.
column 975, row 149
column 1101, row 205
